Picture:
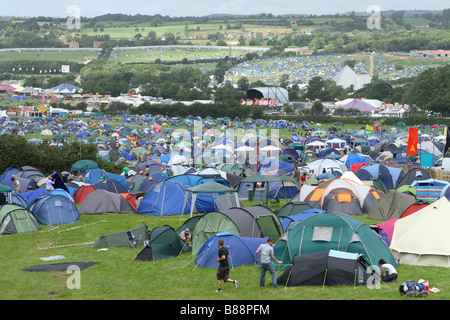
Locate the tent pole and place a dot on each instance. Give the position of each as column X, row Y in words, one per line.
column 324, row 279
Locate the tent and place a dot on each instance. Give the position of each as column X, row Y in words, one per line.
column 287, row 220
column 103, row 201
column 326, row 268
column 291, row 208
column 129, row 238
column 416, row 206
column 54, row 209
column 81, row 193
column 361, row 105
column 429, row 189
column 415, row 174
column 388, row 175
column 82, row 166
column 345, row 195
column 164, row 198
column 260, row 178
column 254, row 222
column 110, row 185
column 16, row 219
column 211, row 188
column 422, row 238
column 391, row 206
column 241, row 249
column 336, row 231
column 163, row 242
column 330, row 165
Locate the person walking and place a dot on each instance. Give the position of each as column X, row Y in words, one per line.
column 266, row 250
column 223, row 272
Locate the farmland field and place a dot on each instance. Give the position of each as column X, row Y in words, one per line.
column 48, row 55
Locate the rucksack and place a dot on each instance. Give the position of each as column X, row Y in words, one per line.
column 412, row 289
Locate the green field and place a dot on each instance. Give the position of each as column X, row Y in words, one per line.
column 46, row 55
column 117, row 277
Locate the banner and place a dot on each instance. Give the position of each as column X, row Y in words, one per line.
column 411, row 149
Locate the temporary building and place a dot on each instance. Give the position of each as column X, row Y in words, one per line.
column 326, row 268
column 16, row 219
column 133, row 237
column 110, row 185
column 388, row 175
column 422, row 238
column 54, row 209
column 212, row 189
column 325, row 231
column 241, row 249
column 391, row 206
column 103, row 202
column 361, row 105
column 254, row 222
column 163, row 242
column 415, row 174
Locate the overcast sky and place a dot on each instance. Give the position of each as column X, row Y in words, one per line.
column 181, row 8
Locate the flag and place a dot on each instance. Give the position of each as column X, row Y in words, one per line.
column 369, row 129
column 156, row 127
column 295, row 138
column 447, row 140
column 378, row 128
column 413, row 138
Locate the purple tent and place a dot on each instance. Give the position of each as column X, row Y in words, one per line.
column 360, row 105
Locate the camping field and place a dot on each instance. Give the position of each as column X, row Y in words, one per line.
column 117, row 277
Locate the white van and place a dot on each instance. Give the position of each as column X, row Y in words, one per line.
column 445, row 164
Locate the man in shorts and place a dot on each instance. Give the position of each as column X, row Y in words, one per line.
column 224, row 268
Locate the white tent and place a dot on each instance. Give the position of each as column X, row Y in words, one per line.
column 422, row 238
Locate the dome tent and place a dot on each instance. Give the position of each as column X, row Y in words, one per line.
column 253, row 222
column 241, row 249
column 103, row 201
column 54, row 209
column 16, row 219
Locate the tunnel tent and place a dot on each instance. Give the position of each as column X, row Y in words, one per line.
column 325, row 231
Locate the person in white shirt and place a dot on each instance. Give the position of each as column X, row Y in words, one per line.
column 49, row 184
column 388, row 271
column 266, row 262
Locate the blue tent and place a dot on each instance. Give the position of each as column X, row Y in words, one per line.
column 164, row 198
column 241, row 250
column 286, row 221
column 54, row 210
column 353, row 158
column 92, row 175
column 388, row 175
column 282, row 191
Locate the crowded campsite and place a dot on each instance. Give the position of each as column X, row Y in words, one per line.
column 148, row 212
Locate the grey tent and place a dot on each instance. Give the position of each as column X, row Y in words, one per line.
column 261, row 178
column 128, row 238
column 103, row 201
column 326, row 268
column 391, row 206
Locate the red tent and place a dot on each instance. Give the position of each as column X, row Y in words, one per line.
column 414, row 208
column 7, row 88
column 82, row 192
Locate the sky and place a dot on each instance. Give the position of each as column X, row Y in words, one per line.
column 183, row 8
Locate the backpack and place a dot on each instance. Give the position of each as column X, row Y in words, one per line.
column 411, row 289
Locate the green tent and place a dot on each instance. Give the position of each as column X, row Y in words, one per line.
column 254, row 222
column 266, row 179
column 292, row 207
column 391, row 206
column 325, row 231
column 16, row 219
column 128, row 238
column 163, row 243
column 83, row 166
